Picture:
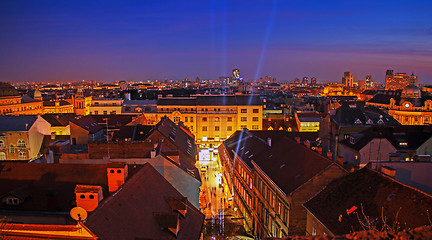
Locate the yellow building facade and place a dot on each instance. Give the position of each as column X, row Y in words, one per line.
column 11, row 103
column 213, row 118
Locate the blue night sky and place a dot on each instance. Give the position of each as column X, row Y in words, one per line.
column 64, row 40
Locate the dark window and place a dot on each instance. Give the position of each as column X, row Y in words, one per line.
column 82, row 196
column 256, row 111
column 112, row 171
column 91, row 196
column 119, row 171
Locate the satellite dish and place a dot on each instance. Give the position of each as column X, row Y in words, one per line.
column 78, row 213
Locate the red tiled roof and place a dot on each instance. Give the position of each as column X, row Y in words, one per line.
column 87, row 123
column 288, row 163
column 129, row 214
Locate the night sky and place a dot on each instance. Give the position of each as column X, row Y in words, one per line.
column 64, row 40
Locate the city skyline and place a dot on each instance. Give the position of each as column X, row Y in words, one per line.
column 75, row 40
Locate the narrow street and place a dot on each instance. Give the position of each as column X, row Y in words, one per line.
column 214, row 203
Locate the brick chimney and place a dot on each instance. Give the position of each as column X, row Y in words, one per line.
column 330, row 155
column 117, row 174
column 297, row 139
column 88, row 196
column 339, row 160
column 307, row 144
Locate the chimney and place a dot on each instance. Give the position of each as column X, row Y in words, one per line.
column 307, row 144
column 297, row 139
column 339, row 160
column 389, row 171
column 330, row 155
column 319, row 150
column 117, row 174
column 88, row 196
column 153, row 153
column 269, row 141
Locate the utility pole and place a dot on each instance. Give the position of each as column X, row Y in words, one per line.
column 107, row 136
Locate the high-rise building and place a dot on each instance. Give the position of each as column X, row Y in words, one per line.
column 236, row 74
column 313, row 81
column 397, row 81
column 305, row 81
column 296, row 81
column 369, row 83
column 348, row 79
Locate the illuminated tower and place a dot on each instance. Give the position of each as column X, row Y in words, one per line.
column 236, row 74
column 305, row 81
column 313, row 81
column 348, row 79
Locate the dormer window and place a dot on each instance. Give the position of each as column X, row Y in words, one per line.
column 12, row 201
column 369, row 121
column 357, row 121
column 403, row 144
column 352, row 140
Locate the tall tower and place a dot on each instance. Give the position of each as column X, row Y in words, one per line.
column 348, row 79
column 305, row 81
column 313, row 81
column 236, row 74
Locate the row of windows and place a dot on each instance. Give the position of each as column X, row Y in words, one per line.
column 21, row 155
column 244, row 110
column 24, row 108
column 229, row 128
column 21, row 143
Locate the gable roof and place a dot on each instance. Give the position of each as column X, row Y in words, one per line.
column 182, row 139
column 88, row 123
column 413, row 135
column 51, row 186
column 131, row 133
column 339, row 203
column 129, row 214
column 16, row 123
column 347, row 116
column 287, row 163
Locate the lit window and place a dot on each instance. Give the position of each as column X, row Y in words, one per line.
column 217, row 119
column 255, row 119
column 256, row 110
column 12, row 150
column 204, row 129
column 22, row 156
column 243, row 126
column 12, row 201
column 216, row 128
column 2, row 156
column 191, row 119
column 204, row 119
column 229, row 119
column 243, row 119
column 186, row 119
column 229, row 128
column 255, row 127
column 2, row 144
column 243, row 110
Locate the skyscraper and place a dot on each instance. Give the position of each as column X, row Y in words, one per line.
column 296, row 81
column 236, row 74
column 305, row 81
column 313, row 81
column 348, row 79
column 369, row 82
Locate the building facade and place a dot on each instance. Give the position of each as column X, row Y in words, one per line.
column 213, row 118
column 11, row 103
column 397, row 81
